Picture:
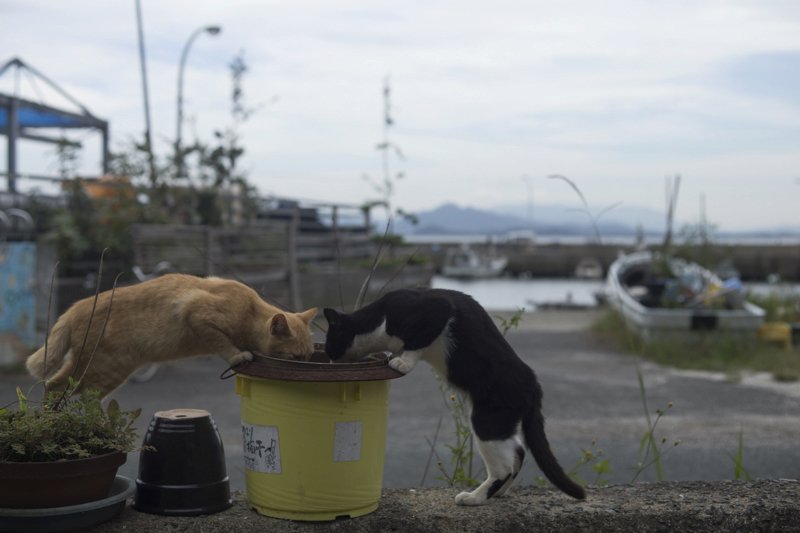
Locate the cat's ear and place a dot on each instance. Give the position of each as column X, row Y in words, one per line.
column 308, row 315
column 279, row 326
column 331, row 316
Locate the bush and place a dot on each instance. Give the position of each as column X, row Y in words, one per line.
column 65, row 428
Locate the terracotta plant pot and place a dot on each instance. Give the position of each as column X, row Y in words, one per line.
column 41, row 485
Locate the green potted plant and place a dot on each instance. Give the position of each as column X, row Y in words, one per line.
column 59, row 455
column 64, row 450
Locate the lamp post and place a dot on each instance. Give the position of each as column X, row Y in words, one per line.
column 211, row 30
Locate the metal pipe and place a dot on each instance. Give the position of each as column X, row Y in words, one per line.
column 147, row 130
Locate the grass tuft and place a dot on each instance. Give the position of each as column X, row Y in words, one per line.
column 713, row 351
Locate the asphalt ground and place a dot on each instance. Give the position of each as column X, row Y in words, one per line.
column 592, row 402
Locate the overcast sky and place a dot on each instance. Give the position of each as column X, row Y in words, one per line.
column 616, row 95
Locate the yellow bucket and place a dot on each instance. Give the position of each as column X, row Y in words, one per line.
column 313, row 450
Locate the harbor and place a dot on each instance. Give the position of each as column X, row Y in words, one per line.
column 754, row 259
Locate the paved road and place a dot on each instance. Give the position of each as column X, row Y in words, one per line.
column 591, row 394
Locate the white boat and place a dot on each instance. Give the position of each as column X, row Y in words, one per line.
column 466, row 263
column 589, row 268
column 657, row 297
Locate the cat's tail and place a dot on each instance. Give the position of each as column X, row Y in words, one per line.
column 536, row 440
column 59, row 362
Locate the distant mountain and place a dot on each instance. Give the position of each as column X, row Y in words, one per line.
column 617, row 216
column 453, row 219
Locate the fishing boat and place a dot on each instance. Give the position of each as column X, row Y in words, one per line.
column 658, row 295
column 589, row 268
column 466, row 263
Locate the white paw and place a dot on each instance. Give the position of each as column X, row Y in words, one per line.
column 400, row 364
column 240, row 358
column 469, row 498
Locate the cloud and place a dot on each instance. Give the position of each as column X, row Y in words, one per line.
column 773, row 76
column 613, row 94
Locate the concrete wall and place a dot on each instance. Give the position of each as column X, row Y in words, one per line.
column 754, row 262
column 768, row 505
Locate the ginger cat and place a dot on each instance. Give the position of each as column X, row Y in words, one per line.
column 171, row 317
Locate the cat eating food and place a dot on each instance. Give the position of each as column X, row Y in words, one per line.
column 170, row 317
column 456, row 336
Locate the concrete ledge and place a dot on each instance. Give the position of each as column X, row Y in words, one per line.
column 769, row 505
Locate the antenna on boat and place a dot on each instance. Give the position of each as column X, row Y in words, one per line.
column 673, row 185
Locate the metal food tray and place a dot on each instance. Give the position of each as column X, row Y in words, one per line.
column 374, row 367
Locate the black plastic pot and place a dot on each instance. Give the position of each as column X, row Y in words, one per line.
column 182, row 466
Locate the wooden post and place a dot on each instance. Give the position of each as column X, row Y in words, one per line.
column 209, row 242
column 337, row 241
column 294, row 284
column 367, row 219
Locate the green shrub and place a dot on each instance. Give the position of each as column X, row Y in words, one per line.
column 74, row 427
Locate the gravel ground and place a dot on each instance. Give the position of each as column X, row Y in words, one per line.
column 772, row 505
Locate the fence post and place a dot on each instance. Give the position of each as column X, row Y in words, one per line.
column 337, row 241
column 294, row 284
column 367, row 219
column 209, row 241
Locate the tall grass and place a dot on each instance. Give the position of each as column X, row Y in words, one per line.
column 717, row 351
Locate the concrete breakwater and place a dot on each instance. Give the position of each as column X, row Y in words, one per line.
column 754, row 262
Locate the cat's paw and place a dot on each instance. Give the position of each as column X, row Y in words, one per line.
column 239, row 358
column 400, row 364
column 470, row 498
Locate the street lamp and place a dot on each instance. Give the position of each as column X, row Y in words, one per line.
column 211, row 30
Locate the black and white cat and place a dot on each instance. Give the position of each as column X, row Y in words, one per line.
column 453, row 333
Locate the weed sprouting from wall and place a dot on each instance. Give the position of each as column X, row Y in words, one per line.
column 651, row 449
column 739, row 472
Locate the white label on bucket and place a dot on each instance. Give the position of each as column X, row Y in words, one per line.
column 262, row 451
column 347, row 442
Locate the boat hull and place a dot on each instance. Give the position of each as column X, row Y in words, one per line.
column 653, row 322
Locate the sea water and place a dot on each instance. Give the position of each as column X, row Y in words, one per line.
column 498, row 294
column 504, row 294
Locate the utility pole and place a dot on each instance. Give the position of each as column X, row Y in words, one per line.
column 148, row 141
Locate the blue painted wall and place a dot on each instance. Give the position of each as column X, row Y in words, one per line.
column 17, row 299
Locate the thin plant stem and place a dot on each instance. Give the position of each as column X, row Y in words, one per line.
column 740, row 472
column 592, row 218
column 432, row 451
column 94, row 307
column 378, row 256
column 68, row 391
column 650, row 444
column 103, row 329
column 338, row 262
column 47, row 328
column 399, row 271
